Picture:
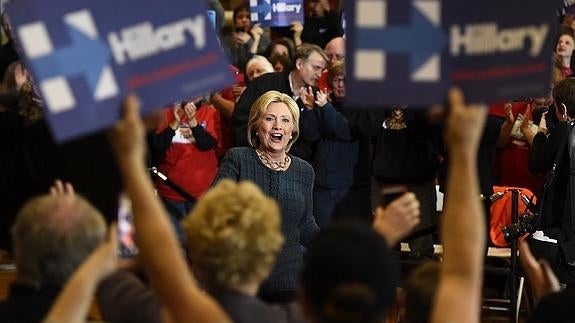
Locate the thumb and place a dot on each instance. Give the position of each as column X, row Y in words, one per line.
column 455, row 98
column 549, row 277
column 132, row 107
column 525, row 256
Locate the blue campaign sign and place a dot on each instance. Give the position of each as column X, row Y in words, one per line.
column 412, row 51
column 86, row 55
column 276, row 13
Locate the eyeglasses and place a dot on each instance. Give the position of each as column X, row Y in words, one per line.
column 336, row 57
column 339, row 79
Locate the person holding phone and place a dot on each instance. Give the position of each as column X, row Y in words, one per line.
column 246, row 39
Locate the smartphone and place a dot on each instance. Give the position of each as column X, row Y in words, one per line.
column 389, row 193
column 212, row 17
column 127, row 245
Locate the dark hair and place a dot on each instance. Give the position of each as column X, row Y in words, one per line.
column 241, row 7
column 419, row 292
column 564, row 93
column 279, row 41
column 349, row 274
column 282, row 59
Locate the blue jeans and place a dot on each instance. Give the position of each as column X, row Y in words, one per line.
column 178, row 211
column 341, row 203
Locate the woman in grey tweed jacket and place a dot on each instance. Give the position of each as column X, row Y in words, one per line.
column 272, row 128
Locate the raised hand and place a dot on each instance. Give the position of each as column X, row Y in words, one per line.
column 307, row 97
column 61, row 188
column 21, row 76
column 178, row 113
column 128, row 135
column 465, row 123
column 541, row 277
column 543, row 123
column 297, row 28
column 398, row 219
column 256, row 31
column 320, row 98
column 525, row 125
column 190, row 110
column 509, row 118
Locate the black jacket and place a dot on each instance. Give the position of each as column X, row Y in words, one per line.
column 556, row 211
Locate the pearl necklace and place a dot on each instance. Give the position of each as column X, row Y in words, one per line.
column 275, row 165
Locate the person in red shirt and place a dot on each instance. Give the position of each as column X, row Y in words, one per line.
column 225, row 102
column 335, row 51
column 513, row 144
column 184, row 146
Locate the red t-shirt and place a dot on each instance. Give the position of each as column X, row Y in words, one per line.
column 184, row 163
column 227, row 139
column 511, row 160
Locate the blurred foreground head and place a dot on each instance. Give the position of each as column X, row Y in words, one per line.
column 52, row 235
column 349, row 275
column 234, row 234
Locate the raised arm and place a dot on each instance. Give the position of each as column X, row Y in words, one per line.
column 159, row 249
column 506, row 127
column 241, row 114
column 458, row 298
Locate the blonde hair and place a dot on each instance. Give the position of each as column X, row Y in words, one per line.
column 260, row 107
column 234, row 233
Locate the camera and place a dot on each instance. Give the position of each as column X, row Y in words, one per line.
column 550, row 118
column 527, row 222
column 390, row 193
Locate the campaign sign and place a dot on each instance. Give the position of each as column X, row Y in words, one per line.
column 85, row 56
column 412, row 51
column 276, row 13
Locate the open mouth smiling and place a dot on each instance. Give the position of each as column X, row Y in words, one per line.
column 276, row 137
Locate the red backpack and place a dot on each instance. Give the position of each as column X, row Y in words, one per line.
column 501, row 211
